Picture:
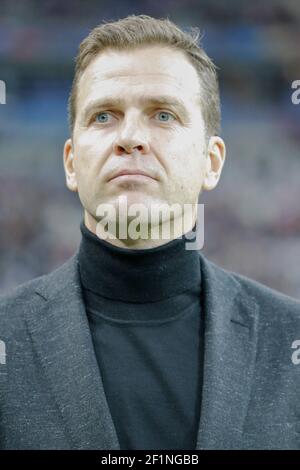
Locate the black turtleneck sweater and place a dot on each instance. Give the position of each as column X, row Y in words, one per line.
column 143, row 308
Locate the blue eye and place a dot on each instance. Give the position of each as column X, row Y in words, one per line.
column 102, row 117
column 165, row 114
column 98, row 117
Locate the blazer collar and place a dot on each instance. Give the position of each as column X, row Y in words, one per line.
column 230, row 337
column 60, row 332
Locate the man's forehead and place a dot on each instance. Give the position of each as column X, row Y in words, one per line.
column 148, row 65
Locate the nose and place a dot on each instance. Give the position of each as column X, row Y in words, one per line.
column 132, row 137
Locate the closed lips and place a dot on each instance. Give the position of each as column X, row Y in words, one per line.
column 130, row 172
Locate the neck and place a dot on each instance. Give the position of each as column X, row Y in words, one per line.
column 136, row 275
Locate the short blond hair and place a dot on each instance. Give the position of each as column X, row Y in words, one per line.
column 140, row 30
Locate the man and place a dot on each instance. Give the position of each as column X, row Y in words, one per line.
column 137, row 342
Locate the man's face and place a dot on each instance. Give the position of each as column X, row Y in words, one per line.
column 123, row 124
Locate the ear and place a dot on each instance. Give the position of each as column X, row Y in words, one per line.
column 215, row 159
column 69, row 166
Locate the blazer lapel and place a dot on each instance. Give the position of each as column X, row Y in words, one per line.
column 61, row 336
column 230, row 323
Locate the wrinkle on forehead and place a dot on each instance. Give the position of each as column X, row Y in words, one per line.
column 111, row 76
column 126, row 83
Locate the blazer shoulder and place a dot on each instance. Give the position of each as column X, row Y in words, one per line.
column 18, row 293
column 271, row 301
column 14, row 302
column 264, row 292
column 18, row 298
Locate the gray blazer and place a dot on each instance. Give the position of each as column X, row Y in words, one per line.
column 51, row 391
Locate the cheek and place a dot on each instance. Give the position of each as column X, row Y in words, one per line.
column 89, row 151
column 187, row 171
column 186, row 161
column 87, row 145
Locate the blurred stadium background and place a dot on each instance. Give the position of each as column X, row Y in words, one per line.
column 252, row 219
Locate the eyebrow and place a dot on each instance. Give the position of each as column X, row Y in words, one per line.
column 160, row 100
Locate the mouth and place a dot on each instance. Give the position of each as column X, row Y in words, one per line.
column 131, row 175
column 136, row 177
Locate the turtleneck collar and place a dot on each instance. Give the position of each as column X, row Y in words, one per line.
column 137, row 275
